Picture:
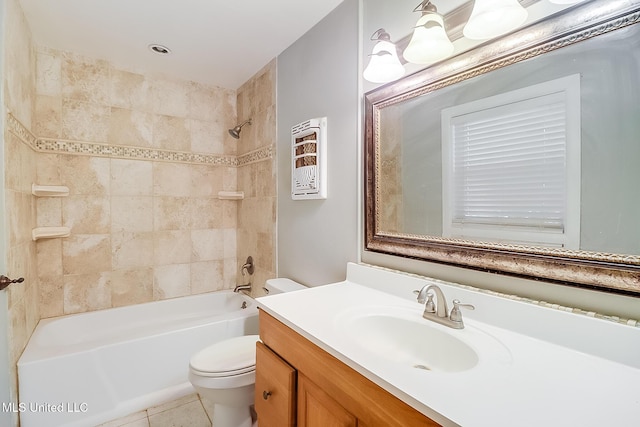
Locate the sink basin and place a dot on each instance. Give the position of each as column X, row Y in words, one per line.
column 412, row 343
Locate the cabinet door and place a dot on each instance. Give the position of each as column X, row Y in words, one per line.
column 275, row 389
column 317, row 409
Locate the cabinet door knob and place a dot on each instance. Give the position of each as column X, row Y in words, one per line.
column 266, row 394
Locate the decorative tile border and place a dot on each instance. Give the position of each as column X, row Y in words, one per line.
column 259, row 155
column 52, row 145
column 16, row 128
column 616, row 319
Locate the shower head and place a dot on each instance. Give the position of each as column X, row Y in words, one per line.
column 235, row 132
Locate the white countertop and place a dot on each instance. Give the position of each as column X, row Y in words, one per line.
column 520, row 379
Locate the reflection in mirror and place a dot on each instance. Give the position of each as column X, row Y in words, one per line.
column 533, row 165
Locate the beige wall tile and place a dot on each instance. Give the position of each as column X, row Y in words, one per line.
column 85, row 79
column 131, row 178
column 87, row 292
column 19, row 76
column 86, row 214
column 131, row 213
column 171, row 179
column 51, row 297
column 130, row 127
column 206, row 213
column 171, row 133
column 48, row 74
column 206, row 181
column 171, row 213
column 207, row 276
column 129, row 90
column 172, row 247
column 48, row 169
column 131, row 250
column 170, row 281
column 169, row 97
column 131, row 286
column 49, row 211
column 84, row 121
column 208, row 137
column 207, row 245
column 48, row 116
column 86, row 253
column 85, row 175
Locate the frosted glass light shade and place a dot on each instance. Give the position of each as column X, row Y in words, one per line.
column 384, row 65
column 429, row 43
column 493, row 18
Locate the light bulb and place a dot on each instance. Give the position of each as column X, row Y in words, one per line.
column 493, row 18
column 384, row 65
column 429, row 42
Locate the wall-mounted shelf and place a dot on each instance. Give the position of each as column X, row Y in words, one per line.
column 230, row 195
column 50, row 232
column 49, row 190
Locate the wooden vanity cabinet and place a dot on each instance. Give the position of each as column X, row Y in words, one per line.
column 327, row 392
column 275, row 389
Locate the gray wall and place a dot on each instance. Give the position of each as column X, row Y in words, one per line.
column 318, row 76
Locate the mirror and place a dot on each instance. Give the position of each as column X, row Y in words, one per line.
column 421, row 198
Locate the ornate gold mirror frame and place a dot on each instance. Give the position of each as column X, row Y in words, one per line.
column 605, row 271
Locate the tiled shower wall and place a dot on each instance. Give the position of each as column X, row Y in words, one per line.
column 18, row 79
column 257, row 211
column 144, row 158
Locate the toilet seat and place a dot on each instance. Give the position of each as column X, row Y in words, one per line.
column 231, row 357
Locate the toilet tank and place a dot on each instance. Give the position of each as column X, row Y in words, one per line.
column 281, row 285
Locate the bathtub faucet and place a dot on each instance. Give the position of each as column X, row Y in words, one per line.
column 239, row 288
column 248, row 267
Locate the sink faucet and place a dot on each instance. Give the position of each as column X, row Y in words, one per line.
column 439, row 312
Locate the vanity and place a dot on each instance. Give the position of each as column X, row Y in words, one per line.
column 360, row 353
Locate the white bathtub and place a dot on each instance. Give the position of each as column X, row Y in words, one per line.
column 89, row 368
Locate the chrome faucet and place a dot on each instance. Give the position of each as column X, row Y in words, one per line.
column 438, row 311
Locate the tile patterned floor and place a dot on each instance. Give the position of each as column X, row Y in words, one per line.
column 189, row 411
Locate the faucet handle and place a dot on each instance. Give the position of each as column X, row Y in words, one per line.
column 430, row 306
column 456, row 314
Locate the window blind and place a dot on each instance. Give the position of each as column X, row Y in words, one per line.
column 511, row 166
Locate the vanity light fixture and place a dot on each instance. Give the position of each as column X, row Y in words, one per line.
column 384, row 65
column 493, row 18
column 429, row 42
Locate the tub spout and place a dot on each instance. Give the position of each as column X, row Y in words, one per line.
column 239, row 288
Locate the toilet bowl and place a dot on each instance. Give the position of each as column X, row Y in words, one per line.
column 224, row 373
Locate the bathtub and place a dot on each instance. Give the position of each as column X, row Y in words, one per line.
column 86, row 369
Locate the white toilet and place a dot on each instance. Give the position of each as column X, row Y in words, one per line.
column 225, row 372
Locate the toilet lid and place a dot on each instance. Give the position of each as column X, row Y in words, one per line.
column 233, row 356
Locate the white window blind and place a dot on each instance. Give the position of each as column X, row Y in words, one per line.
column 510, row 164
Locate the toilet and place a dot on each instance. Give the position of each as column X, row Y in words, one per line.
column 225, row 372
